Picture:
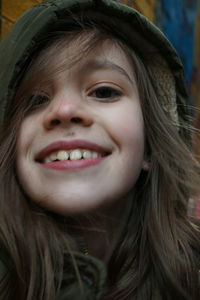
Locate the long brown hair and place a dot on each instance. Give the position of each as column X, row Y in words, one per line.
column 157, row 258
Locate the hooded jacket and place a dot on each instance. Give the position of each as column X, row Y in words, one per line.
column 135, row 30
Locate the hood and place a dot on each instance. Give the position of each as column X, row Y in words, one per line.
column 138, row 32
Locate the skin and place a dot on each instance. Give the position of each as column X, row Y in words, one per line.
column 114, row 122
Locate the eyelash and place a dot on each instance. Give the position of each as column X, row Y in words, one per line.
column 109, row 94
column 38, row 100
column 113, row 93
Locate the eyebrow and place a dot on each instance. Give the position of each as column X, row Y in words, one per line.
column 106, row 64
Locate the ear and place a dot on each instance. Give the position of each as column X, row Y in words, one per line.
column 145, row 165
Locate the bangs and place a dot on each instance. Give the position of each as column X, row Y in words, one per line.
column 57, row 56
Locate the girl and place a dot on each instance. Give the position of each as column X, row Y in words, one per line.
column 96, row 168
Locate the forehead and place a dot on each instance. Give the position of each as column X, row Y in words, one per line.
column 82, row 51
column 105, row 56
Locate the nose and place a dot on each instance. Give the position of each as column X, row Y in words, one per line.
column 67, row 111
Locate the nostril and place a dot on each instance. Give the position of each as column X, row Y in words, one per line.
column 55, row 122
column 76, row 120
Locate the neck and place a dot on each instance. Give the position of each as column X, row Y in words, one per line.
column 100, row 232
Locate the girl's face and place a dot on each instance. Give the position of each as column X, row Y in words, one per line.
column 81, row 147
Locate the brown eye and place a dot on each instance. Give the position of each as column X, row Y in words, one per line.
column 105, row 93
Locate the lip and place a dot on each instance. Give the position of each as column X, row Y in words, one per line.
column 67, row 165
column 68, row 145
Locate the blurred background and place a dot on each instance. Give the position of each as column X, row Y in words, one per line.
column 178, row 19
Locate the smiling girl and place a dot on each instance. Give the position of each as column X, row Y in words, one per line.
column 96, row 168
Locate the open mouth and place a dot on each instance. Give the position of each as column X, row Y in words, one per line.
column 71, row 155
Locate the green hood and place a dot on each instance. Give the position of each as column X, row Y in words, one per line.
column 131, row 26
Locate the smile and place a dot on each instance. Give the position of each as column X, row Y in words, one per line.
column 75, row 154
column 69, row 155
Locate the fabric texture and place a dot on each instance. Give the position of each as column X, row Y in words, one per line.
column 85, row 282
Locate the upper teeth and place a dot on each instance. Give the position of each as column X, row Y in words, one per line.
column 71, row 155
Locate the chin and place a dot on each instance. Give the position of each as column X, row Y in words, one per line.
column 70, row 207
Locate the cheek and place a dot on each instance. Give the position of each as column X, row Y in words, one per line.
column 21, row 154
column 128, row 132
column 128, row 129
column 24, row 144
column 26, row 135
